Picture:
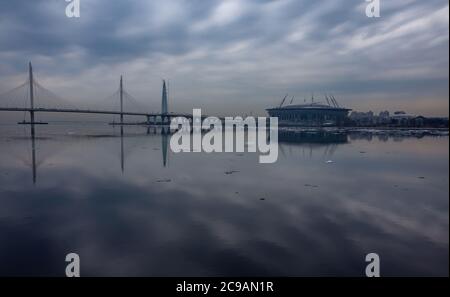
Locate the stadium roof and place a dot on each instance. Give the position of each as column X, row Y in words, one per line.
column 313, row 105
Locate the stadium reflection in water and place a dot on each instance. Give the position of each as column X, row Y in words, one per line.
column 129, row 206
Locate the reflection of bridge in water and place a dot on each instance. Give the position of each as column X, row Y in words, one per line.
column 163, row 131
column 306, row 140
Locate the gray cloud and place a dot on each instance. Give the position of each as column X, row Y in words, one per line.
column 234, row 56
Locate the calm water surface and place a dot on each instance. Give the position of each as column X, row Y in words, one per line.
column 129, row 206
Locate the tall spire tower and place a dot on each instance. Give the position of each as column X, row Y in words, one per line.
column 164, row 108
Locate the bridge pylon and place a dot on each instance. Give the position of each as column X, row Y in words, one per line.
column 121, row 100
column 31, row 109
column 30, row 74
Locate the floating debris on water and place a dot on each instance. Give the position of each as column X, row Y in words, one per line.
column 231, row 172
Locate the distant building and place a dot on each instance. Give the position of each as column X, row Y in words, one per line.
column 317, row 114
column 402, row 119
column 384, row 118
column 436, row 122
column 398, row 119
column 312, row 115
column 362, row 118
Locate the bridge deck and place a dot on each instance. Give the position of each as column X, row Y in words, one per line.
column 90, row 111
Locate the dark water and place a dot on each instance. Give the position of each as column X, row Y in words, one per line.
column 129, row 206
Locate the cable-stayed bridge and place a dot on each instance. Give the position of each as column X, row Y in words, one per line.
column 31, row 97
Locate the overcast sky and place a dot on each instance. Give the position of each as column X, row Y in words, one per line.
column 233, row 57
